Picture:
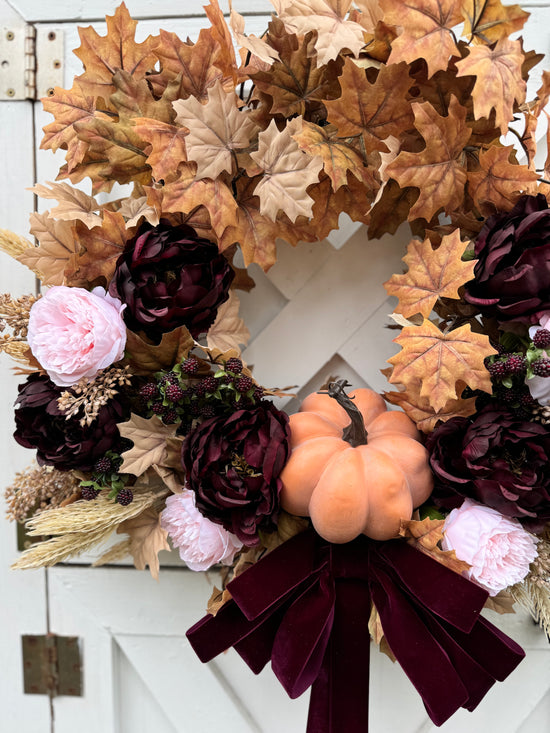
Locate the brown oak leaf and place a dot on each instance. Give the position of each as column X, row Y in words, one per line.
column 499, row 80
column 56, row 258
column 432, row 274
column 72, row 203
column 288, row 171
column 426, row 33
column 166, row 146
column 498, row 183
column 374, row 111
column 104, row 245
column 486, row 21
column 146, row 358
column 436, row 171
column 149, row 436
column 441, row 361
column 337, row 155
column 216, row 129
column 425, row 535
column 329, row 18
column 147, row 539
column 102, row 56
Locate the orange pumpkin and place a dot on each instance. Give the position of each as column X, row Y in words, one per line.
column 349, row 483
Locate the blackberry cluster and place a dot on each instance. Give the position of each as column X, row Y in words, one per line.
column 188, row 393
column 106, row 476
column 506, row 365
column 508, row 371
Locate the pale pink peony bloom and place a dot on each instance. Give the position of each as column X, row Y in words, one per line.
column 201, row 543
column 498, row 548
column 75, row 333
column 539, row 387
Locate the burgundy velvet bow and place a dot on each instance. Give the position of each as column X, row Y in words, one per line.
column 306, row 607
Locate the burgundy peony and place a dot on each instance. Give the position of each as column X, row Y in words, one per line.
column 59, row 442
column 497, row 459
column 233, row 465
column 168, row 277
column 512, row 274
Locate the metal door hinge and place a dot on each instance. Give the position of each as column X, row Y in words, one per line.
column 52, row 665
column 31, row 60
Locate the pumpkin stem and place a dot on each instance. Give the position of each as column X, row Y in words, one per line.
column 355, row 433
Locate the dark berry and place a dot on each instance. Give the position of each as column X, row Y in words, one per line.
column 210, row 384
column 200, row 388
column 89, row 493
column 541, row 339
column 498, row 369
column 149, row 391
column 170, row 417
column 516, row 364
column 258, row 393
column 190, row 365
column 103, row 465
column 234, row 365
column 173, row 392
column 541, row 367
column 207, row 411
column 125, row 497
column 527, row 400
column 158, row 408
column 195, row 409
column 243, row 384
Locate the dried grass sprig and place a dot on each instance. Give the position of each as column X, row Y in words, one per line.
column 12, row 244
column 38, row 488
column 88, row 397
column 536, row 600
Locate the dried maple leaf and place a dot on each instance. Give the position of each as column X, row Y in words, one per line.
column 216, row 129
column 498, row 183
column 252, row 43
column 432, row 274
column 149, row 436
column 146, row 358
column 436, row 170
column 134, row 209
column 219, row 30
column 103, row 245
column 441, row 360
column 353, row 198
column 288, row 171
column 217, row 599
column 337, row 155
column 102, row 56
column 73, row 203
column 420, row 410
column 502, row 603
column 427, row 26
column 294, row 83
column 335, row 31
column 390, row 209
column 425, row 536
column 486, row 21
column 56, row 257
column 167, row 146
column 147, row 539
column 228, row 330
column 499, row 79
column 133, row 98
column 374, row 111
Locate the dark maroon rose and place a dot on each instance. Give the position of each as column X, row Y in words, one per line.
column 59, row 442
column 233, row 465
column 168, row 277
column 512, row 274
column 497, row 459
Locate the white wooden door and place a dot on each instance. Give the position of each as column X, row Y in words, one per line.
column 140, row 675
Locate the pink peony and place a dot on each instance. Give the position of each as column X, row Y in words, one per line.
column 74, row 333
column 498, row 549
column 201, row 542
column 539, row 387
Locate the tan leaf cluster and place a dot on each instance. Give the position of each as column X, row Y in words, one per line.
column 149, row 436
column 147, row 539
column 228, row 331
column 426, row 536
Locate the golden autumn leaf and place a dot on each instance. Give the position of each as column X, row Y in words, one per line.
column 436, row 170
column 56, row 257
column 219, row 30
column 294, row 83
column 133, row 98
column 499, row 80
column 354, row 198
column 486, row 21
column 147, row 539
column 440, row 361
column 102, row 56
column 149, row 436
column 420, row 410
column 104, row 245
column 432, row 274
column 329, row 18
column 337, row 155
column 426, row 33
column 147, row 358
column 499, row 182
column 425, row 535
column 228, row 331
column 218, row 598
column 215, row 130
column 374, row 111
column 134, row 209
column 72, row 203
column 167, row 146
column 288, row 171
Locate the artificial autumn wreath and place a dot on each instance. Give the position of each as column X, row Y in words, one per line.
column 144, row 417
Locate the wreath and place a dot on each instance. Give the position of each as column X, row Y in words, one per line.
column 345, row 520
